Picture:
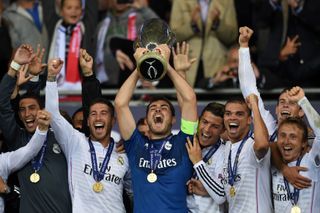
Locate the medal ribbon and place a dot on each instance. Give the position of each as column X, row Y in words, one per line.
column 212, row 150
column 37, row 161
column 98, row 175
column 295, row 196
column 156, row 155
column 209, row 154
column 273, row 136
column 233, row 172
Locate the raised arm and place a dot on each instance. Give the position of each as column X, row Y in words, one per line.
column 188, row 97
column 247, row 79
column 17, row 159
column 63, row 130
column 297, row 94
column 182, row 62
column 8, row 123
column 91, row 88
column 261, row 137
column 125, row 118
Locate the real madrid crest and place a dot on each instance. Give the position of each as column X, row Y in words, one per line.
column 120, row 160
column 56, row 148
column 168, row 145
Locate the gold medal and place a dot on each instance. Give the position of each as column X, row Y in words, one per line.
column 152, row 177
column 97, row 187
column 34, row 177
column 295, row 209
column 232, row 191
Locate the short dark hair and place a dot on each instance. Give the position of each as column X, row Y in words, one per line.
column 62, row 3
column 238, row 100
column 283, row 91
column 298, row 122
column 214, row 108
column 154, row 99
column 34, row 96
column 78, row 110
column 102, row 101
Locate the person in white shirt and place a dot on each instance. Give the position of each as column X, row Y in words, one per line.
column 284, row 109
column 293, row 146
column 212, row 150
column 245, row 172
column 13, row 161
column 96, row 172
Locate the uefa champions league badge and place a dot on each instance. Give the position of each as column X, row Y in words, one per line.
column 168, row 145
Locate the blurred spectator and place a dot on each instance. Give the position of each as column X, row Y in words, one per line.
column 210, row 27
column 227, row 76
column 71, row 32
column 5, row 43
column 25, row 22
column 122, row 20
column 292, row 55
column 162, row 8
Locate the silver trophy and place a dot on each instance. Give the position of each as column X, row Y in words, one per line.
column 152, row 66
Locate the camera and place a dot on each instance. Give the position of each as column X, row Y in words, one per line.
column 124, row 1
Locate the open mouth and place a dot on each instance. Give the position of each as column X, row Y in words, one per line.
column 205, row 136
column 29, row 122
column 285, row 114
column 99, row 127
column 158, row 119
column 233, row 127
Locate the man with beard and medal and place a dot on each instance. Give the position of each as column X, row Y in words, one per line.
column 206, row 155
column 159, row 163
column 96, row 178
column 42, row 182
column 292, row 143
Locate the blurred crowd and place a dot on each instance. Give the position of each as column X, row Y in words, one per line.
column 285, row 49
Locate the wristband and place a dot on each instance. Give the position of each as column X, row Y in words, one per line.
column 15, row 66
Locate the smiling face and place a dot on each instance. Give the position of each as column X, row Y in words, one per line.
column 290, row 141
column 159, row 119
column 28, row 109
column 237, row 121
column 286, row 108
column 210, row 128
column 100, row 122
column 71, row 11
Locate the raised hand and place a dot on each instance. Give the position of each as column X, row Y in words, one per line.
column 24, row 54
column 23, row 76
column 36, row 66
column 86, row 63
column 290, row 48
column 252, row 100
column 164, row 50
column 54, row 68
column 295, row 94
column 43, row 119
column 244, row 37
column 194, row 150
column 140, row 51
column 181, row 59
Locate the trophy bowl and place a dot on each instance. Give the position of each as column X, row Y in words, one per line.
column 152, row 65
